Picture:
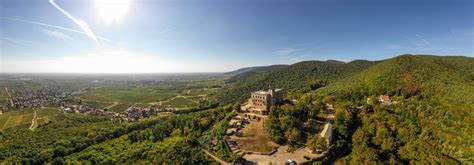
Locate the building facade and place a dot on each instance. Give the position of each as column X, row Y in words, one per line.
column 261, row 101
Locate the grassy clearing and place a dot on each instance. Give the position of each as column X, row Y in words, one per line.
column 255, row 138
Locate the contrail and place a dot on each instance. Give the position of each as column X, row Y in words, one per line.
column 54, row 26
column 83, row 25
column 14, row 41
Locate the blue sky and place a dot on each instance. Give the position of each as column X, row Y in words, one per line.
column 215, row 36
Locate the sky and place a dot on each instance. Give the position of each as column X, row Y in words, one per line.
column 169, row 36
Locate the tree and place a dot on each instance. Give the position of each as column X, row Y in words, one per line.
column 316, row 142
column 293, row 135
column 342, row 121
column 237, row 106
column 272, row 126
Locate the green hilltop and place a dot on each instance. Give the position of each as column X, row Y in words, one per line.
column 430, row 121
column 296, row 79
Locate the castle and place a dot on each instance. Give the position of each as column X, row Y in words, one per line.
column 261, row 101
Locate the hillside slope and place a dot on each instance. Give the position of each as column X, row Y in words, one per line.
column 295, row 79
column 254, row 69
column 433, row 121
column 243, row 73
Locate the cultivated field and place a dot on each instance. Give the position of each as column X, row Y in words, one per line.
column 22, row 118
column 179, row 94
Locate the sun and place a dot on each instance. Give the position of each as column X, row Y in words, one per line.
column 112, row 11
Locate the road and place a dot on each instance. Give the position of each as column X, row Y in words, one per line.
column 215, row 157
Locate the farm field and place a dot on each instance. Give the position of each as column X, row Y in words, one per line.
column 48, row 114
column 22, row 118
column 180, row 102
column 121, row 107
column 4, row 98
column 180, row 94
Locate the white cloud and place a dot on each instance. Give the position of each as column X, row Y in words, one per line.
column 287, row 51
column 56, row 34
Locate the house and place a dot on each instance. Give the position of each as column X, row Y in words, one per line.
column 261, row 101
column 384, row 99
column 68, row 110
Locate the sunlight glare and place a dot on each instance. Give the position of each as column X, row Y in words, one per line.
column 112, row 11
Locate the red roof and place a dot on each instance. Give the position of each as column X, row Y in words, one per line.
column 384, row 97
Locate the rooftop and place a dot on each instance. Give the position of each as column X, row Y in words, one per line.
column 262, row 92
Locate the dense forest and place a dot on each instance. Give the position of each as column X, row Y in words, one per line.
column 295, row 79
column 171, row 139
column 430, row 120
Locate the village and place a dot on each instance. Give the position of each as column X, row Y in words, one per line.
column 37, row 98
column 131, row 114
column 56, row 97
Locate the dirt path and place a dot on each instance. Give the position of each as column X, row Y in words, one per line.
column 215, row 157
column 8, row 93
column 113, row 105
column 34, row 122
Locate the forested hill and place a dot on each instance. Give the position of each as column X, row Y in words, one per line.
column 407, row 75
column 429, row 120
column 295, row 79
column 254, row 69
column 244, row 73
column 432, row 121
